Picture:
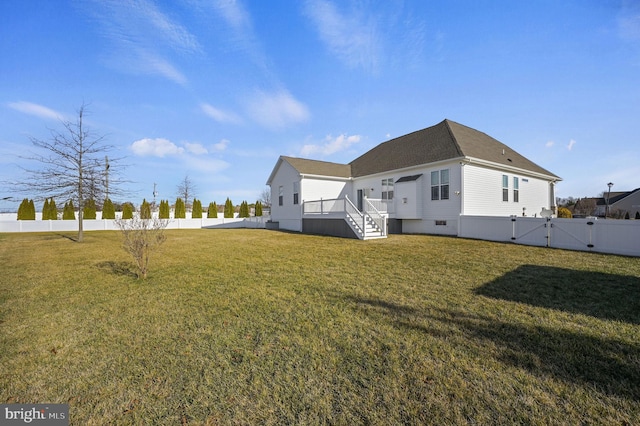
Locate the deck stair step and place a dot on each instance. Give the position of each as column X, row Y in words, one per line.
column 371, row 230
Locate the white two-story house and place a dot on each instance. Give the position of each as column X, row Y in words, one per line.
column 418, row 183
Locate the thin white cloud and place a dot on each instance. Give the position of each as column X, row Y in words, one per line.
column 195, row 148
column 549, row 144
column 206, row 165
column 142, row 37
column 331, row 145
column 276, row 110
column 238, row 28
column 353, row 38
column 221, row 146
column 629, row 21
column 148, row 63
column 35, row 109
column 219, row 115
column 174, row 34
column 234, row 13
column 158, row 147
column 571, row 144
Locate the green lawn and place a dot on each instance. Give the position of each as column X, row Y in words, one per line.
column 264, row 327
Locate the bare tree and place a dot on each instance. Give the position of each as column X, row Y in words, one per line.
column 265, row 197
column 186, row 190
column 140, row 237
column 73, row 166
column 585, row 207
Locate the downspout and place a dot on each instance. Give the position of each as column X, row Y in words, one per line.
column 461, row 192
column 552, row 196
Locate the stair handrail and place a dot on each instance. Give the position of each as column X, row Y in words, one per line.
column 351, row 210
column 379, row 219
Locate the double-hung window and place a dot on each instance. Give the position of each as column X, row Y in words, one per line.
column 280, row 195
column 505, row 188
column 296, row 192
column 387, row 189
column 440, row 185
column 516, row 189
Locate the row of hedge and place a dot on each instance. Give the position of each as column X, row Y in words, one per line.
column 27, row 210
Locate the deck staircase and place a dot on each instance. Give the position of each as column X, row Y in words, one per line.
column 367, row 224
column 370, row 231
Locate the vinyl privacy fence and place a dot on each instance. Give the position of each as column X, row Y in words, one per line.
column 590, row 234
column 110, row 225
column 597, row 235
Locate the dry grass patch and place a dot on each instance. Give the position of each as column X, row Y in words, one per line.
column 260, row 327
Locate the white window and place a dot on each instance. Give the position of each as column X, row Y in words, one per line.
column 440, row 185
column 505, row 188
column 296, row 192
column 387, row 189
column 516, row 190
column 280, row 195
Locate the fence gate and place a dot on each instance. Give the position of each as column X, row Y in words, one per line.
column 553, row 233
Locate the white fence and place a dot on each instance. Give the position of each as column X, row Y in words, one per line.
column 604, row 236
column 109, row 224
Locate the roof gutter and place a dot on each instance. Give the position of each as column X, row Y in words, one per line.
column 308, row 175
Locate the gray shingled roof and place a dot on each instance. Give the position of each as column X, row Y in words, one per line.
column 444, row 141
column 321, row 168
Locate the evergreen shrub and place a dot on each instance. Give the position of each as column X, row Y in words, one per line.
column 180, row 210
column 69, row 212
column 145, row 210
column 127, row 211
column 108, row 210
column 164, row 211
column 212, row 211
column 196, row 211
column 89, row 210
column 228, row 208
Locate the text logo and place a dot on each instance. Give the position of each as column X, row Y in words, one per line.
column 36, row 414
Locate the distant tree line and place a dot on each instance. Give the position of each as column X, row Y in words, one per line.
column 27, row 210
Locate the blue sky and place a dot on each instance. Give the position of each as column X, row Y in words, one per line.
column 217, row 90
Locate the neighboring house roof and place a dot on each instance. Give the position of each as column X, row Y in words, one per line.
column 444, row 141
column 614, row 197
column 620, row 197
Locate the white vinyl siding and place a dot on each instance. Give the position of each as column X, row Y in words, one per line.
column 435, row 213
column 326, row 189
column 283, row 211
column 408, row 199
column 483, row 194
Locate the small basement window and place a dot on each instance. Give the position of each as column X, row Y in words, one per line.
column 441, row 223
